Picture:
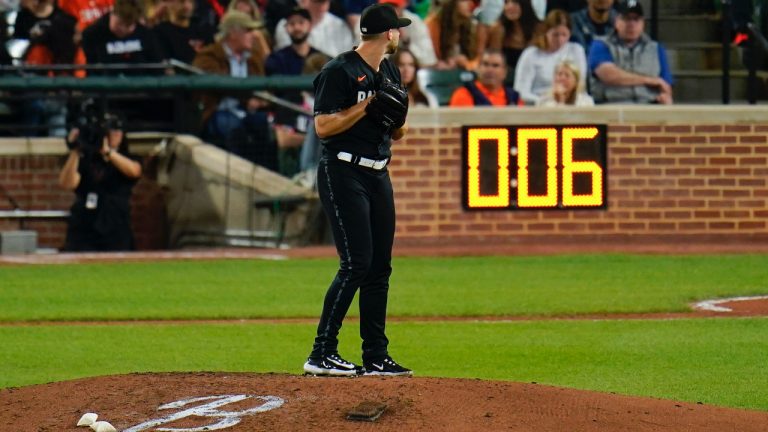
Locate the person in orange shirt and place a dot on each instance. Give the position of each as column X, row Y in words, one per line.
column 86, row 12
column 488, row 89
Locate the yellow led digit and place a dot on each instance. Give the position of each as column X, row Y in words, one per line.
column 571, row 167
column 501, row 198
column 524, row 197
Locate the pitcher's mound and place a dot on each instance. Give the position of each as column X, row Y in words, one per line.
column 239, row 402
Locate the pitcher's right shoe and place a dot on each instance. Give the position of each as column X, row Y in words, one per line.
column 331, row 365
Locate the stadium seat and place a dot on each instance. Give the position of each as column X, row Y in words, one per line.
column 438, row 85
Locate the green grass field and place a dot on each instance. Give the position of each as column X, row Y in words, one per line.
column 717, row 361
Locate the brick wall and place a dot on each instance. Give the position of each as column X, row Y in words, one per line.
column 666, row 182
column 683, row 173
column 30, row 175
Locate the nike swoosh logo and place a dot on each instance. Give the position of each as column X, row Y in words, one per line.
column 360, row 78
column 379, row 367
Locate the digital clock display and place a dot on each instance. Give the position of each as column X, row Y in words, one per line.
column 534, row 167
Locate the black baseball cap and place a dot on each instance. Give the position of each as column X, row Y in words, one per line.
column 630, row 7
column 300, row 12
column 380, row 17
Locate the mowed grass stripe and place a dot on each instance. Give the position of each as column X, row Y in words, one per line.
column 472, row 286
column 715, row 361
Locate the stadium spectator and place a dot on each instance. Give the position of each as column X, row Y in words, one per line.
column 409, row 66
column 597, row 19
column 569, row 6
column 119, row 37
column 513, row 31
column 416, row 36
column 209, row 12
column 566, row 89
column 291, row 127
column 628, row 66
column 536, row 67
column 489, row 88
column 236, row 124
column 311, row 149
column 353, row 9
column 330, row 34
column 86, row 12
column 261, row 35
column 102, row 172
column 454, row 34
column 50, row 33
column 180, row 37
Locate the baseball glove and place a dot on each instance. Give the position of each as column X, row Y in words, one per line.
column 389, row 105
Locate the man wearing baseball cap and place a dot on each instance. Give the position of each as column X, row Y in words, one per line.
column 360, row 107
column 627, row 66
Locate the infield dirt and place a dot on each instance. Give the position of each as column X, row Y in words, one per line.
column 314, row 404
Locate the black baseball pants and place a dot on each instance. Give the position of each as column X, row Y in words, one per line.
column 360, row 207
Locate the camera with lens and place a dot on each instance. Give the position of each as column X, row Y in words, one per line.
column 93, row 124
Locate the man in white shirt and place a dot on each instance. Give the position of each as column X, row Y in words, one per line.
column 330, row 34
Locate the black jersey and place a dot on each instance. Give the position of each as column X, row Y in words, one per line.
column 343, row 82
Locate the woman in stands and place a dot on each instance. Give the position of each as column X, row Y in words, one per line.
column 409, row 67
column 566, row 89
column 535, row 69
column 453, row 33
column 513, row 31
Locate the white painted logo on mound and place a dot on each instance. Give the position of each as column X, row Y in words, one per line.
column 224, row 419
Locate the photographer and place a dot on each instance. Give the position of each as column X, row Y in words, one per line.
column 101, row 172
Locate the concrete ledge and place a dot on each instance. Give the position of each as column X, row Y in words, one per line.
column 603, row 114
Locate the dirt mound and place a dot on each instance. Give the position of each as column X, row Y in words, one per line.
column 238, row 402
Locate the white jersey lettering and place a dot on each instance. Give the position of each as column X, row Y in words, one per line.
column 361, row 95
column 124, row 47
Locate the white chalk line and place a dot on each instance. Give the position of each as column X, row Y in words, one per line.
column 714, row 305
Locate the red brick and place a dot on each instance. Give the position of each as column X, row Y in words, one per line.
column 722, row 204
column 694, row 139
column 615, row 129
column 661, row 226
column 631, row 161
column 691, row 203
column 703, row 214
column 738, row 128
column 631, row 226
column 693, row 161
column 721, row 225
column 723, row 139
column 510, row 226
column 647, row 129
column 752, row 182
column 692, row 225
column 753, row 161
column 756, row 139
column 691, row 182
column 633, row 140
column 417, row 228
column 676, row 193
column 662, row 139
column 661, row 161
column 751, row 204
column 738, row 149
column 721, row 181
column 648, row 215
column 678, row 150
column 705, row 193
column 752, row 225
column 601, row 226
column 648, row 150
column 722, row 161
column 677, row 171
column 736, row 193
column 708, row 150
column 707, row 171
column 572, row 226
column 541, row 227
column 734, row 214
column 678, row 129
column 630, row 203
column 621, row 150
column 646, row 172
column 761, row 128
column 708, row 129
column 664, row 203
column 737, row 171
